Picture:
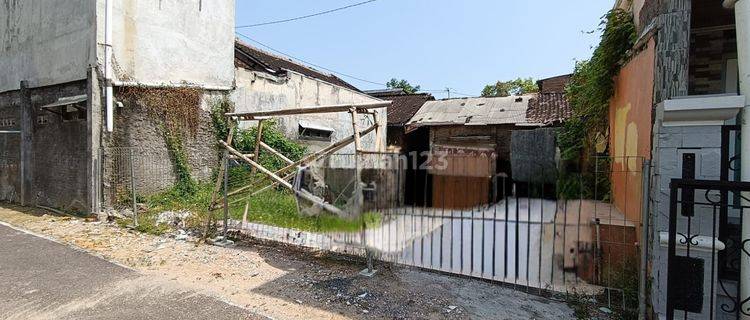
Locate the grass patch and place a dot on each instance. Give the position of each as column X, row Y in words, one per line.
column 273, row 207
column 278, row 208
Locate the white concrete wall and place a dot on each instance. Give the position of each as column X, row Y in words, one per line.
column 172, row 41
column 45, row 42
column 263, row 92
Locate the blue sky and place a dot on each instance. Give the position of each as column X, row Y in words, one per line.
column 463, row 45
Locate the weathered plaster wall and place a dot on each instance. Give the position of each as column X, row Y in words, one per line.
column 630, row 118
column 153, row 164
column 10, row 147
column 45, row 42
column 172, row 41
column 259, row 91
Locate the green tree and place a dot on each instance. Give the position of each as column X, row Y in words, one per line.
column 509, row 88
column 402, row 84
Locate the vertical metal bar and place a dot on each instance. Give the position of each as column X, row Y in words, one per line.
column 483, row 237
column 507, row 216
column 494, row 225
column 528, row 236
column 518, row 231
column 132, row 188
column 712, row 293
column 472, row 220
column 646, row 180
column 226, row 197
column 541, row 239
column 671, row 250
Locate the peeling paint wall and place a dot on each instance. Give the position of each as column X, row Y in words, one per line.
column 45, row 42
column 630, row 117
column 263, row 92
column 172, row 41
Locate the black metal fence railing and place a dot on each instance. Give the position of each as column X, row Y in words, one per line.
column 456, row 212
column 695, row 286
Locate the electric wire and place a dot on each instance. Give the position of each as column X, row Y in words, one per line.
column 305, row 16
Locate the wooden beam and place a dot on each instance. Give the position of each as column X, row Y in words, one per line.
column 249, row 155
column 276, row 153
column 258, row 139
column 310, row 110
column 260, row 168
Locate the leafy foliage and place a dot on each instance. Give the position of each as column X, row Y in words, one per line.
column 218, row 119
column 592, row 85
column 404, row 85
column 508, row 88
column 244, row 141
column 589, row 93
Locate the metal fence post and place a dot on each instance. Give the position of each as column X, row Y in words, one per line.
column 132, row 188
column 646, row 181
column 226, row 196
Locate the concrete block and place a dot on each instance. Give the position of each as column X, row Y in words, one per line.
column 701, row 140
column 710, row 163
column 702, row 129
column 670, row 129
column 670, row 140
column 668, row 160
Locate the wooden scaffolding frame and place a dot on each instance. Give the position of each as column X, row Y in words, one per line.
column 282, row 176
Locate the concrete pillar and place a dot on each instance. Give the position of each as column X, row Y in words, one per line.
column 672, row 50
column 27, row 130
column 742, row 17
column 94, row 129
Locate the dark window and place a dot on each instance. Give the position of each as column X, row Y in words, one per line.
column 71, row 113
column 314, row 134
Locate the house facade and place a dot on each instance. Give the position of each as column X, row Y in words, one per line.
column 677, row 104
column 64, row 64
column 268, row 82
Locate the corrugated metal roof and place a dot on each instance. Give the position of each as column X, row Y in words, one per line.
column 473, row 111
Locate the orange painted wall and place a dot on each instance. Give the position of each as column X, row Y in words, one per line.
column 630, row 125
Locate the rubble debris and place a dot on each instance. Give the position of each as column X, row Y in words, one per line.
column 175, row 219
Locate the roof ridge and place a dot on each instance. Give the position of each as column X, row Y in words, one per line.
column 286, row 58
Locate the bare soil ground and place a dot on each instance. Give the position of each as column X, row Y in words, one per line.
column 285, row 283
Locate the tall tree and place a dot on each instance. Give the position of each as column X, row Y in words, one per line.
column 510, row 88
column 403, row 85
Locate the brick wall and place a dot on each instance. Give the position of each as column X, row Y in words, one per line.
column 136, row 131
column 709, row 52
column 556, row 84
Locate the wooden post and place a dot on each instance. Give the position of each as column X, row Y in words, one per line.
column 357, row 148
column 258, row 141
column 378, row 132
column 220, row 176
column 359, row 196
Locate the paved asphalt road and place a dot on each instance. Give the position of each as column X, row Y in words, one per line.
column 41, row 279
